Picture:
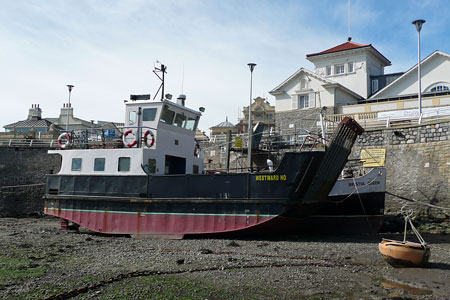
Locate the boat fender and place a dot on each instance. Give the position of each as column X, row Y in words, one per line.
column 60, row 137
column 146, row 140
column 129, row 145
column 196, row 149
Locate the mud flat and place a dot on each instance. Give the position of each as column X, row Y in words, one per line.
column 39, row 261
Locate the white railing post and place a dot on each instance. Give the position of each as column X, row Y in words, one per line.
column 387, row 122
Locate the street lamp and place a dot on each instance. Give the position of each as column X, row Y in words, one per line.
column 250, row 131
column 70, row 91
column 418, row 24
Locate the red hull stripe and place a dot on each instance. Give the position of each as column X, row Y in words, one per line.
column 158, row 223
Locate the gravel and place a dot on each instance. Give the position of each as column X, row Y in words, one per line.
column 39, row 261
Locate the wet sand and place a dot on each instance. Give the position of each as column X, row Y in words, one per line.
column 39, row 261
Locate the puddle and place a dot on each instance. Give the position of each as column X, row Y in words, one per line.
column 411, row 290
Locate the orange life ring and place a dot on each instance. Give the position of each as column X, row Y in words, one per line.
column 196, row 149
column 60, row 137
column 152, row 140
column 129, row 145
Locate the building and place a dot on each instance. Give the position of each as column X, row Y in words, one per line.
column 33, row 123
column 262, row 112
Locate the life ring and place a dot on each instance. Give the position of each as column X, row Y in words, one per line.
column 196, row 149
column 152, row 140
column 60, row 137
column 129, row 145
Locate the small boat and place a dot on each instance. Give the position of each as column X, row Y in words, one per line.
column 404, row 254
column 401, row 254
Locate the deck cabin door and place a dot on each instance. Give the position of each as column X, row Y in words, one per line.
column 175, row 165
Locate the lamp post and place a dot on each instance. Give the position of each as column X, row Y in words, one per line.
column 418, row 24
column 70, row 91
column 250, row 131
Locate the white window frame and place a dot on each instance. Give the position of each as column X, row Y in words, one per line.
column 305, row 101
column 375, row 85
column 328, row 70
column 353, row 67
column 339, row 69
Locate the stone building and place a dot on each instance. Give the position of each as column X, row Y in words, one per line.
column 262, row 112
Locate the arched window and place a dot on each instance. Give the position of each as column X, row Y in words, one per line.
column 438, row 87
column 303, row 84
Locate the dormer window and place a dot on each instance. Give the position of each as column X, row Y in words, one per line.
column 339, row 69
column 328, row 70
column 438, row 87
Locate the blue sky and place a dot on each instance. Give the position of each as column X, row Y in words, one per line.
column 108, row 48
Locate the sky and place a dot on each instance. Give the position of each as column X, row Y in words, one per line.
column 107, row 49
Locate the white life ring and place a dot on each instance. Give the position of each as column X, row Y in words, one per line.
column 129, row 145
column 146, row 140
column 60, row 137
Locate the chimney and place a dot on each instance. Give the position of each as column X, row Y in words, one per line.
column 34, row 113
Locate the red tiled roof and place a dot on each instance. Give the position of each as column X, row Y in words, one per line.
column 341, row 47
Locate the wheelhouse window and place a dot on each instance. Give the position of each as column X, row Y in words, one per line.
column 149, row 114
column 132, row 117
column 76, row 164
column 99, row 164
column 167, row 116
column 124, row 164
column 180, row 120
column 338, row 69
column 190, row 124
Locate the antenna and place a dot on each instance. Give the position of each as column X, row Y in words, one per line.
column 161, row 69
column 182, row 80
column 348, row 21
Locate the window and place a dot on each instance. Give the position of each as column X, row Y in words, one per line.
column 374, row 85
column 338, row 69
column 303, row 101
column 328, row 70
column 303, row 84
column 152, row 166
column 149, row 114
column 99, row 164
column 180, row 120
column 124, row 164
column 76, row 164
column 167, row 116
column 190, row 124
column 194, row 169
column 439, row 88
column 132, row 117
column 350, row 67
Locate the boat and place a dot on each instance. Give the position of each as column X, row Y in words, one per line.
column 152, row 182
column 401, row 254
column 404, row 254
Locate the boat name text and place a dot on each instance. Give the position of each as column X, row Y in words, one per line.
column 271, row 177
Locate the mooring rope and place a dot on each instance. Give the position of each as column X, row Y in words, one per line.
column 22, row 185
column 417, row 201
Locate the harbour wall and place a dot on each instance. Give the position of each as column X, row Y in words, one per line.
column 417, row 165
column 22, row 179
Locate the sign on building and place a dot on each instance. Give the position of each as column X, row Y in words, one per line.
column 238, row 142
column 373, row 157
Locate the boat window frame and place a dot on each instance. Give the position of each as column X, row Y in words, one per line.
column 104, row 164
column 72, row 165
column 164, row 113
column 181, row 124
column 154, row 111
column 151, row 163
column 130, row 121
column 118, row 164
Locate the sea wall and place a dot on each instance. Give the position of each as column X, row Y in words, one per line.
column 22, row 179
column 417, row 163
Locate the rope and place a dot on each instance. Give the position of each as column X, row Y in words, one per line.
column 408, row 215
column 354, row 191
column 16, row 186
column 417, row 201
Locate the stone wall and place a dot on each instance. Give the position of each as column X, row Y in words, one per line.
column 22, row 179
column 418, row 165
